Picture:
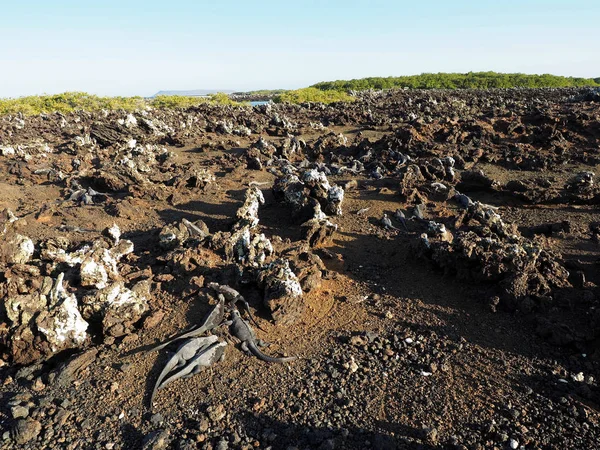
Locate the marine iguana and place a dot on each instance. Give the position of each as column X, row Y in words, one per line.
column 184, row 354
column 232, row 296
column 400, row 217
column 387, row 223
column 241, row 330
column 204, row 358
column 213, row 320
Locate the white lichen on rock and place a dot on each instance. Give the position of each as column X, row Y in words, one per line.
column 248, row 213
column 61, row 323
column 132, row 302
column 17, row 249
column 114, row 233
column 282, row 291
column 335, row 197
column 98, row 269
column 93, row 274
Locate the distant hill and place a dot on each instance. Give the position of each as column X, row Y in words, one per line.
column 194, row 92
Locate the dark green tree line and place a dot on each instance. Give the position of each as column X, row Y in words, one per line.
column 471, row 80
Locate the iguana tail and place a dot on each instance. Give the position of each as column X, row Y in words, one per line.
column 260, row 355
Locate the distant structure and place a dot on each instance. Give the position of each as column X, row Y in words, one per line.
column 194, row 92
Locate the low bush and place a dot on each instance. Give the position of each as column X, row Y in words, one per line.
column 470, row 80
column 80, row 101
column 312, row 94
column 67, row 102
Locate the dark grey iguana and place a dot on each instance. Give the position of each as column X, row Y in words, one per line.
column 232, row 296
column 400, row 217
column 419, row 211
column 185, row 353
column 205, row 358
column 387, row 223
column 241, row 330
column 213, row 320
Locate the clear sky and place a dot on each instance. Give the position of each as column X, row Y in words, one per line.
column 136, row 47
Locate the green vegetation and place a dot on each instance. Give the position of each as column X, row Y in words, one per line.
column 264, row 92
column 181, row 101
column 312, row 94
column 175, row 101
column 76, row 101
column 324, row 92
column 67, row 102
column 471, row 80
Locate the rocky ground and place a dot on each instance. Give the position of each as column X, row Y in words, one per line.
column 430, row 257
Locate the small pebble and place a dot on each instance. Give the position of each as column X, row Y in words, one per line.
column 216, row 413
column 156, row 419
column 124, row 367
column 578, row 377
column 19, row 412
column 38, row 385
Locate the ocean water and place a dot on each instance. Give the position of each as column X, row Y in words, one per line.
column 259, row 102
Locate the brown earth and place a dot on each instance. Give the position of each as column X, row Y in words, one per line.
column 406, row 342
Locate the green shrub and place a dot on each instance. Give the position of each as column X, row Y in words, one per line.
column 175, row 101
column 183, row 101
column 67, row 102
column 312, row 94
column 223, row 99
column 265, row 92
column 80, row 101
column 471, row 80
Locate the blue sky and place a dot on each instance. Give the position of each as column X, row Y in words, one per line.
column 139, row 47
